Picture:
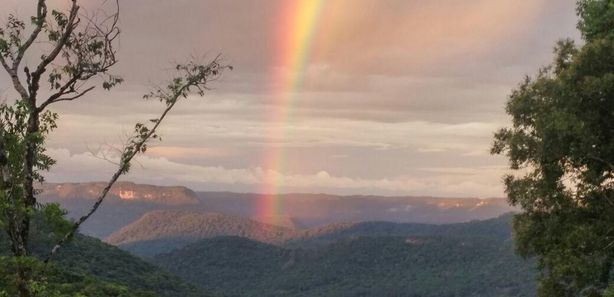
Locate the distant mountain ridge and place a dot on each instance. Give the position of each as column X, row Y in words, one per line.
column 127, row 191
column 163, row 231
column 313, row 210
column 125, row 203
column 129, row 201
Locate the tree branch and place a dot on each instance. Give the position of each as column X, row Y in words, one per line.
column 121, row 169
column 41, row 14
column 602, row 161
column 77, row 96
column 197, row 77
column 14, row 79
column 67, row 88
column 94, row 54
column 42, row 67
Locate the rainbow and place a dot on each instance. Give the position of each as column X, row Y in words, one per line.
column 295, row 33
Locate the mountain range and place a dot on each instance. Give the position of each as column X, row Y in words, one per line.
column 165, row 230
column 128, row 202
column 320, row 245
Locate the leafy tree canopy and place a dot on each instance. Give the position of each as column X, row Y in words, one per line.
column 561, row 148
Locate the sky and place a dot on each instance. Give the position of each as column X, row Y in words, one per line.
column 384, row 97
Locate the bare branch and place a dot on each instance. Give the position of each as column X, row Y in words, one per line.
column 77, row 96
column 41, row 14
column 88, row 53
column 56, row 97
column 102, row 154
column 14, row 79
column 42, row 67
column 13, row 69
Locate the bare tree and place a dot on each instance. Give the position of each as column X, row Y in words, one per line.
column 79, row 51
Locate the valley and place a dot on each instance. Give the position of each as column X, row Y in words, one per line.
column 362, row 266
column 323, row 245
column 301, row 211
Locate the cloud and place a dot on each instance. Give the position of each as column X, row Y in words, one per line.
column 211, row 135
column 392, row 87
column 87, row 167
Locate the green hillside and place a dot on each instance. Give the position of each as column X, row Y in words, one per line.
column 414, row 266
column 165, row 230
column 89, row 267
column 497, row 228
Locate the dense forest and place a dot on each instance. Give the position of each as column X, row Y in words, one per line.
column 89, row 267
column 372, row 259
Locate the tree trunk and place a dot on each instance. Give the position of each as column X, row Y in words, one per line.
column 22, row 282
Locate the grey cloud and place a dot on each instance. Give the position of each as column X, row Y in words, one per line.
column 393, row 87
column 85, row 167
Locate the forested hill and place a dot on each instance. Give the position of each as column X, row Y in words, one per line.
column 497, row 228
column 88, row 267
column 363, row 266
column 162, row 231
column 368, row 259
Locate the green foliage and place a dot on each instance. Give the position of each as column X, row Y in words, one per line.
column 15, row 145
column 52, row 217
column 86, row 267
column 53, row 281
column 596, row 18
column 562, row 145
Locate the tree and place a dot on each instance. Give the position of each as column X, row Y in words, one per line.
column 78, row 54
column 561, row 149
